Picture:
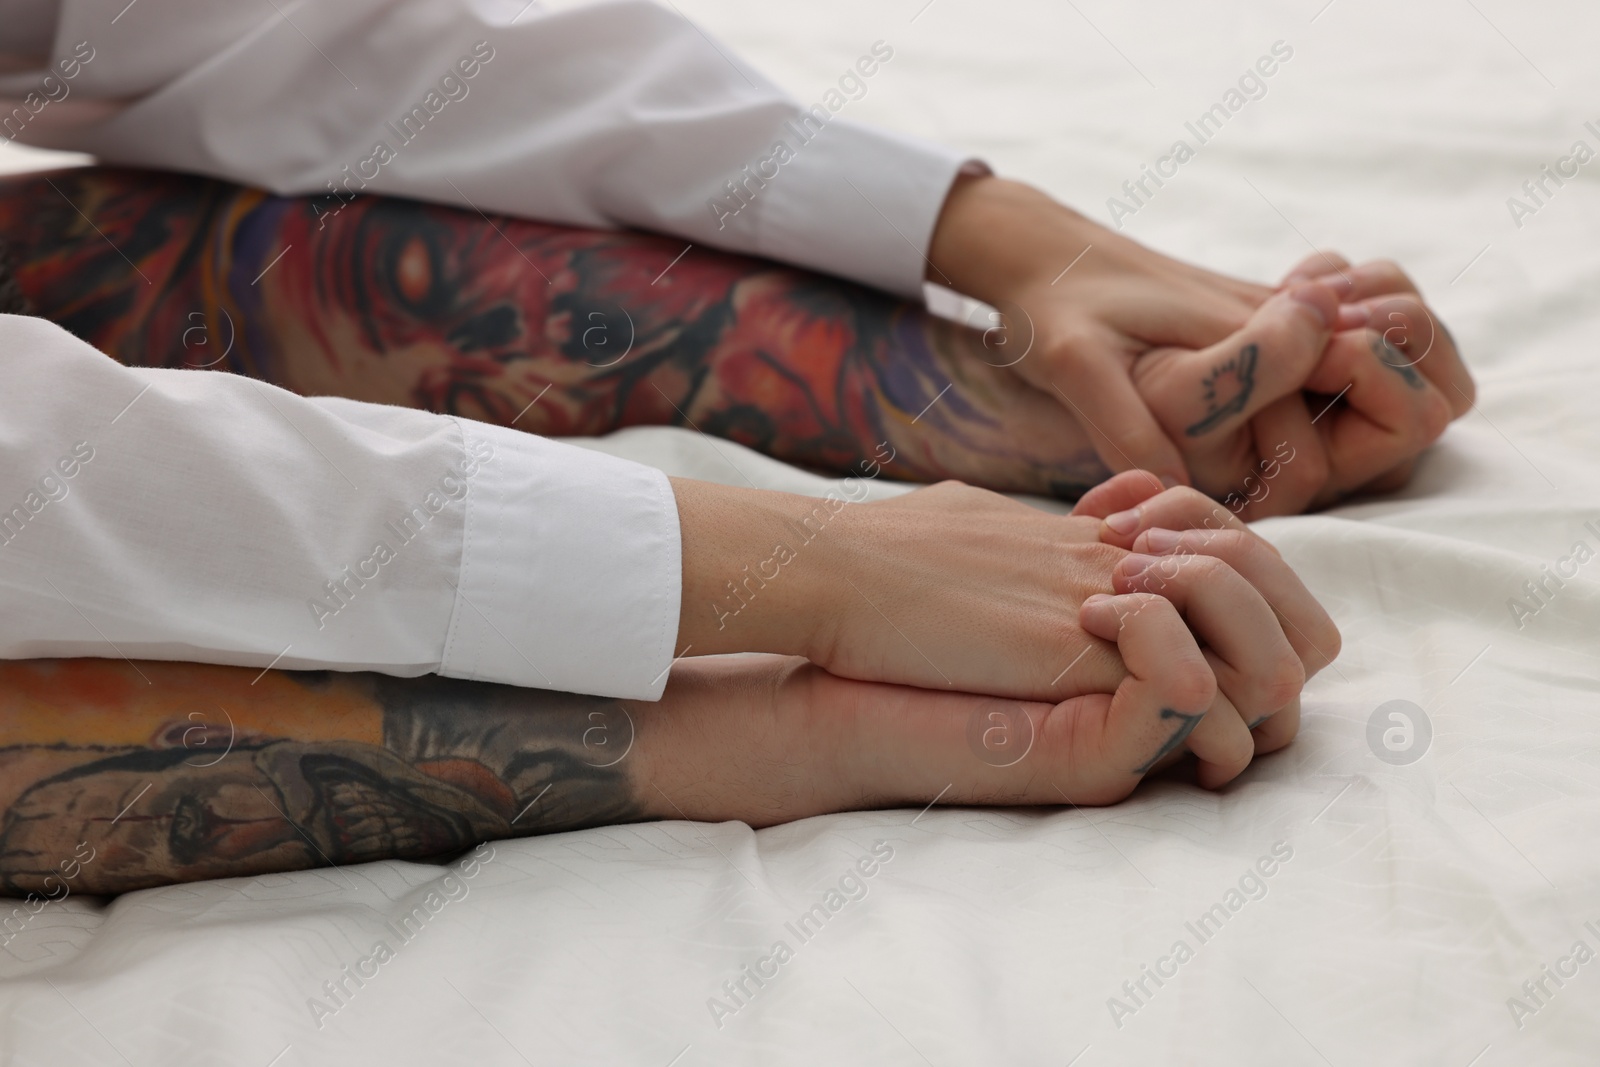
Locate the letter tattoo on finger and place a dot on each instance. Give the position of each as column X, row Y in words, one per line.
column 1185, row 727
column 1395, row 360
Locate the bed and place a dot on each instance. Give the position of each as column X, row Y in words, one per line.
column 1414, row 881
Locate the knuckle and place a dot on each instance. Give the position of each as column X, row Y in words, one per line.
column 1436, row 416
column 1284, row 338
column 1280, row 683
column 1408, row 304
column 1101, row 557
column 1320, row 262
column 1152, row 579
column 1389, row 273
column 1309, row 470
column 1182, row 507
column 1075, row 346
column 1190, row 685
column 1233, row 750
column 1208, row 570
column 1326, row 642
column 1330, row 644
column 1241, row 546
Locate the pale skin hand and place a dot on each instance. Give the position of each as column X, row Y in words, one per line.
column 958, row 589
column 1172, row 534
column 771, row 739
column 114, row 782
column 1091, row 327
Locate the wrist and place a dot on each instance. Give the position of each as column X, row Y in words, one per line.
column 754, row 563
column 995, row 236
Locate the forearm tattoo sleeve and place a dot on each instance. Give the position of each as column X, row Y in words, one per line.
column 113, row 779
column 554, row 330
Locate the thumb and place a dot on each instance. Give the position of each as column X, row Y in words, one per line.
column 1202, row 396
column 1125, row 433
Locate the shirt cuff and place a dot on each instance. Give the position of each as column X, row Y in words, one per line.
column 571, row 569
column 858, row 202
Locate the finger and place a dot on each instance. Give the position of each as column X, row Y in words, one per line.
column 1118, row 493
column 1386, row 412
column 1193, row 313
column 1391, row 480
column 1277, row 729
column 1169, row 689
column 1407, row 324
column 918, row 746
column 1309, row 629
column 1218, row 737
column 1316, row 265
column 1257, row 668
column 1203, row 397
column 1378, row 277
column 1180, row 508
column 1291, row 466
column 1126, row 436
column 1221, row 743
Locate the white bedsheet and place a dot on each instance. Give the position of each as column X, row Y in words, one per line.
column 1418, row 898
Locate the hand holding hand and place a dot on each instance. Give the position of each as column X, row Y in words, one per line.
column 960, row 589
column 1197, row 377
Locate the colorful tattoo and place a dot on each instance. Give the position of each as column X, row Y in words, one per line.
column 554, row 330
column 109, row 782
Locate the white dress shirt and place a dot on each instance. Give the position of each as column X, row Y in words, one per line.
column 196, row 515
column 221, row 520
column 618, row 113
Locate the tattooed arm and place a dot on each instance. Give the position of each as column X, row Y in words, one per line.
column 574, row 332
column 554, row 330
column 120, row 776
column 172, row 772
column 117, row 775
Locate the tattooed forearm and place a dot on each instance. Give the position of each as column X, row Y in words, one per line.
column 1396, row 360
column 554, row 330
column 1180, row 734
column 201, row 774
column 1227, row 390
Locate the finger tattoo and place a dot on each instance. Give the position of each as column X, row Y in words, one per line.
column 1396, row 360
column 1227, row 390
column 1180, row 734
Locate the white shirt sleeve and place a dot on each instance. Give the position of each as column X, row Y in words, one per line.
column 618, row 113
column 196, row 515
